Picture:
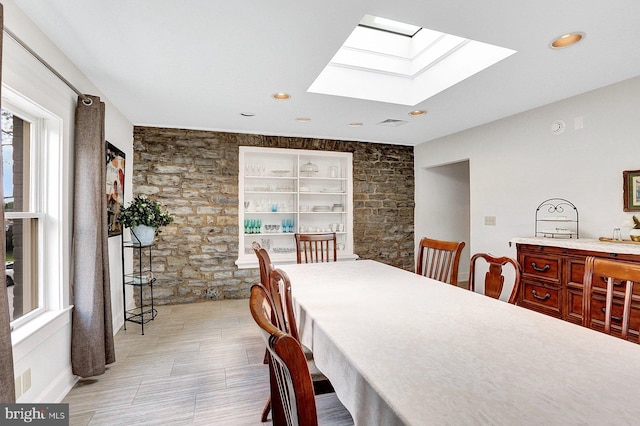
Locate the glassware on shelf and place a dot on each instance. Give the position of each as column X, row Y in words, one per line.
column 287, row 225
column 252, row 226
column 271, row 228
column 309, row 169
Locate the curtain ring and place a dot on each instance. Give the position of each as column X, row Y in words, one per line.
column 87, row 101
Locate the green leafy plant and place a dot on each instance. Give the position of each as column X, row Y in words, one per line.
column 143, row 211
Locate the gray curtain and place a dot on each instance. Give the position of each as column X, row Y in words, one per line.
column 92, row 345
column 7, row 385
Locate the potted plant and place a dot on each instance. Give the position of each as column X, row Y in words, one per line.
column 145, row 217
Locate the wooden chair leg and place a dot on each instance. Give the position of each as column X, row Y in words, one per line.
column 265, row 410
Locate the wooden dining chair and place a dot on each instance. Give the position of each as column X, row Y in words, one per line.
column 265, row 267
column 292, row 390
column 439, row 259
column 316, row 248
column 264, row 263
column 619, row 276
column 279, row 290
column 494, row 278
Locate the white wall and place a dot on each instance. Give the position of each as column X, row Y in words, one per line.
column 46, row 351
column 516, row 163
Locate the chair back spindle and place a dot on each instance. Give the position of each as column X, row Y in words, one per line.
column 316, row 248
column 439, row 259
column 618, row 276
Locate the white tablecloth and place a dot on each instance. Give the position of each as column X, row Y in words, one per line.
column 403, row 349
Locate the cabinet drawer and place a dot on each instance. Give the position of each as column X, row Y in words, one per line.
column 540, row 298
column 597, row 309
column 541, row 267
column 574, row 307
column 576, row 276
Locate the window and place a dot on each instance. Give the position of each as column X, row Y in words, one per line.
column 22, row 235
column 35, row 186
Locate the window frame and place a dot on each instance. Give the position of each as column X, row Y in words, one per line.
column 45, row 199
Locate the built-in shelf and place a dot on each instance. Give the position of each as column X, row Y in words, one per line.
column 274, row 190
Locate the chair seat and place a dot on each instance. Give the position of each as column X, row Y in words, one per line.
column 321, row 383
column 307, row 352
column 316, row 374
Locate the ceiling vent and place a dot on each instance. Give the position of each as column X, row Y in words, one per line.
column 392, row 122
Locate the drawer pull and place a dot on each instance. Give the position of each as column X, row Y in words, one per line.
column 535, row 294
column 535, row 267
column 615, row 283
column 616, row 319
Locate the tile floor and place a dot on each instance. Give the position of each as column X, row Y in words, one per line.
column 197, row 364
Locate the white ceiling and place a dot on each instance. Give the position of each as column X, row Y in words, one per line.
column 200, row 63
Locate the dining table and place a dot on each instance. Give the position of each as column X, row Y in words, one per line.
column 403, row 349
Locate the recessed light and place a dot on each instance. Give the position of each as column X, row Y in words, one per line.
column 247, row 114
column 567, row 40
column 303, row 120
column 281, row 96
column 355, row 124
column 417, row 112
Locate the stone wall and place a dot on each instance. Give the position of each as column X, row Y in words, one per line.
column 195, row 175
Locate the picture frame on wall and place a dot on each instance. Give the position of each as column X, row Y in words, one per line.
column 114, row 183
column 631, row 190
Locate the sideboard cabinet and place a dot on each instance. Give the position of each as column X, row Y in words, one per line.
column 552, row 273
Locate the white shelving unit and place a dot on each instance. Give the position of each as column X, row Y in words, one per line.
column 277, row 198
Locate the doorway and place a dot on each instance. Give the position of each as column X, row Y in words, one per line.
column 443, row 207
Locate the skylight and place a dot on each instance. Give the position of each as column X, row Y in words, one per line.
column 389, row 61
column 384, row 24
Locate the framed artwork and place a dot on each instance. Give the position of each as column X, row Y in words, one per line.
column 114, row 188
column 631, row 190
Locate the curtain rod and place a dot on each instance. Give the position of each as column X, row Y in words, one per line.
column 85, row 99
